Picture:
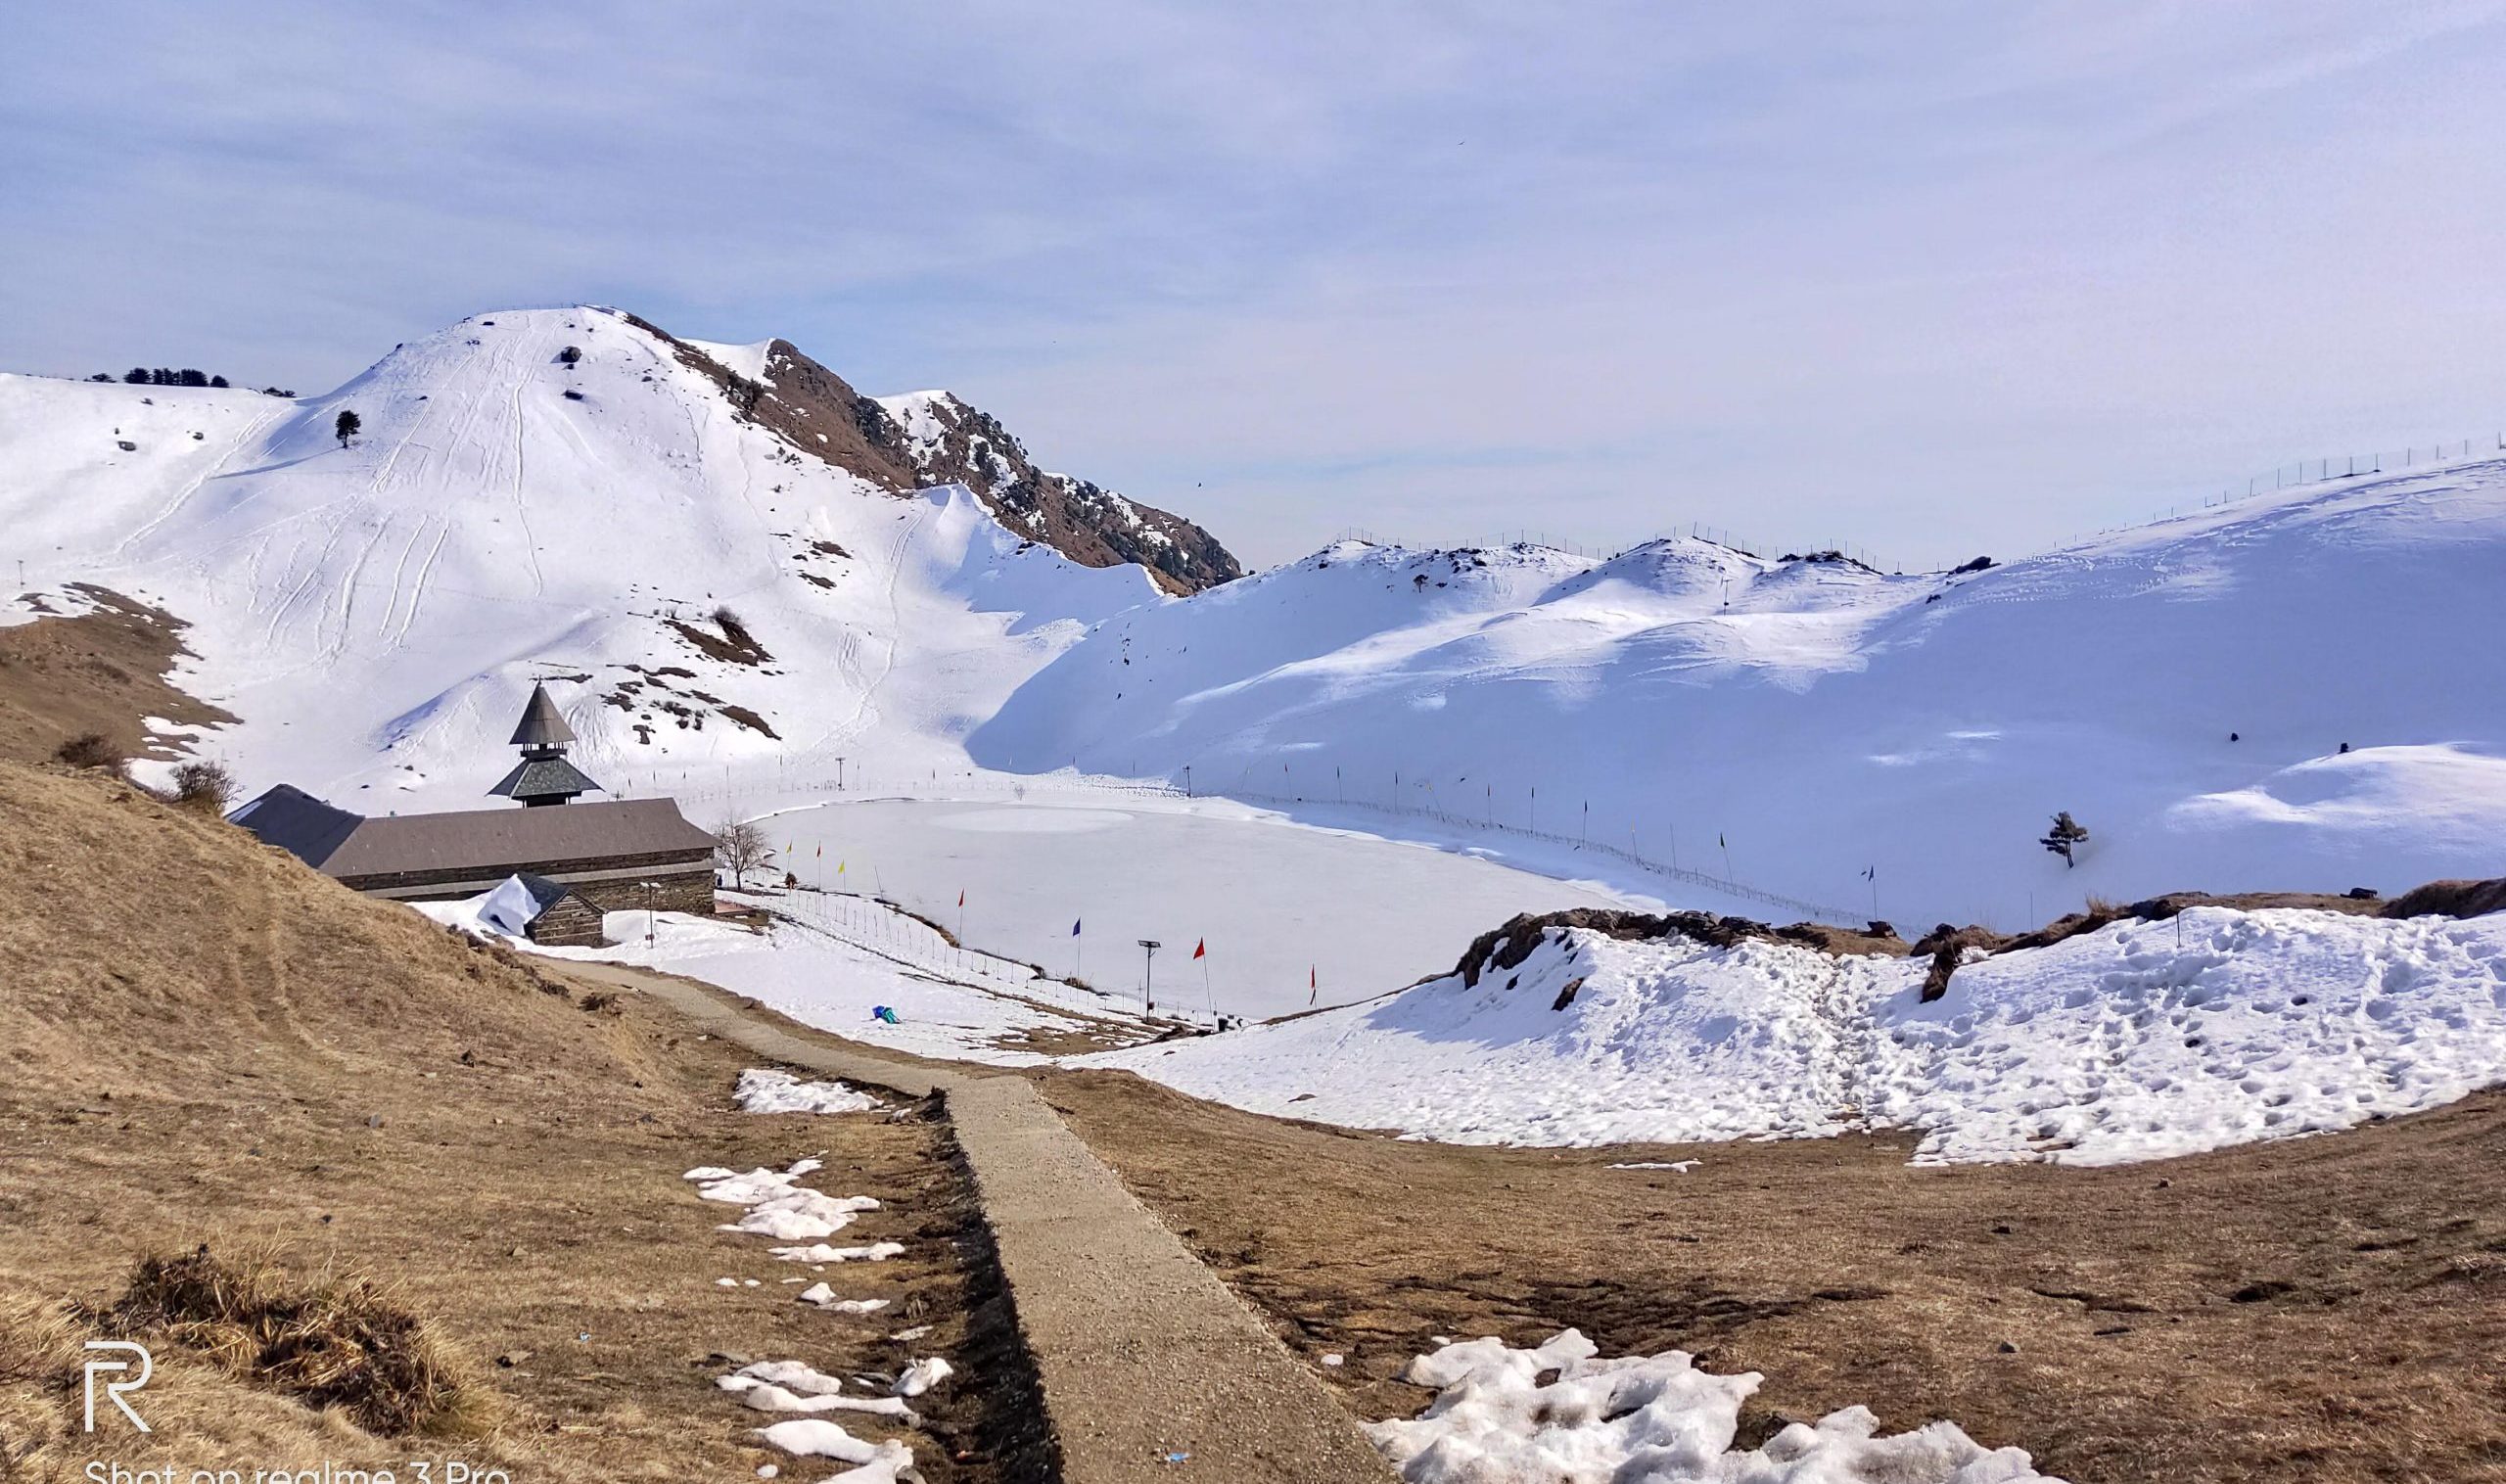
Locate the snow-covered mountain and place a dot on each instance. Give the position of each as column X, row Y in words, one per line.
column 735, row 568
column 720, row 557
column 2303, row 692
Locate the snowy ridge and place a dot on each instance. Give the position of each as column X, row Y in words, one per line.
column 1792, row 724
column 2137, row 1040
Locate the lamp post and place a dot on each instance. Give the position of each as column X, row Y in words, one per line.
column 1148, row 975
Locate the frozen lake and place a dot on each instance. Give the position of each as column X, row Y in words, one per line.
column 1275, row 900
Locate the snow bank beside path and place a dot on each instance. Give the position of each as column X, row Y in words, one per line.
column 1640, row 1419
column 2139, row 1041
column 762, row 1090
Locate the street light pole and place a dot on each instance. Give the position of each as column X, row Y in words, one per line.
column 1148, row 976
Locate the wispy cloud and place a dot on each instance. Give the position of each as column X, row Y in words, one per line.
column 1964, row 275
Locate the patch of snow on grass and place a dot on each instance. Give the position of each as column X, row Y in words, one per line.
column 766, row 1091
column 820, row 1252
column 816, row 1438
column 778, row 1206
column 1646, row 1420
column 819, row 1295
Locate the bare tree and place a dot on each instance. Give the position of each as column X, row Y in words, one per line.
column 740, row 845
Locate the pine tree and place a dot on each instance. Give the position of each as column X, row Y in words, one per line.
column 347, row 427
column 136, row 376
column 2066, row 833
column 217, row 381
column 191, row 377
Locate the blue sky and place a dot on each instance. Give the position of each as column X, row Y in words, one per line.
column 1937, row 279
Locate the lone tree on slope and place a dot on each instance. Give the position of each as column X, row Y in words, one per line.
column 347, row 427
column 741, row 846
column 2066, row 833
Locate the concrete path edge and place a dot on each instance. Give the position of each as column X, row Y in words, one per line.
column 1144, row 1354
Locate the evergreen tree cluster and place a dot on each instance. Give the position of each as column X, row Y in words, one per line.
column 161, row 376
column 164, row 376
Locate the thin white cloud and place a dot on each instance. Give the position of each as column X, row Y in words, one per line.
column 1936, row 279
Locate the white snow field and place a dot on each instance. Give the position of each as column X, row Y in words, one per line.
column 1556, row 1413
column 834, row 961
column 2119, row 1044
column 1795, row 724
column 1292, row 915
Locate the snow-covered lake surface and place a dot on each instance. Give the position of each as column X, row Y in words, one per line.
column 1285, row 910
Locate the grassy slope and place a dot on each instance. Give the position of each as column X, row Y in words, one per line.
column 103, row 671
column 200, row 1040
column 2316, row 1309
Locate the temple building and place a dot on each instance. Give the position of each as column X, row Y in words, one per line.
column 579, row 861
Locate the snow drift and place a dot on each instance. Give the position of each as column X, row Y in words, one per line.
column 2133, row 1042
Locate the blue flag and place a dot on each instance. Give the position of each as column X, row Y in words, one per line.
column 1074, row 927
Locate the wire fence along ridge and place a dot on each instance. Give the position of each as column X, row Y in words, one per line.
column 1815, row 911
column 2327, row 469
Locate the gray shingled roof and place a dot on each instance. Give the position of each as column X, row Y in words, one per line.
column 297, row 823
column 539, row 778
column 541, row 724
column 508, row 839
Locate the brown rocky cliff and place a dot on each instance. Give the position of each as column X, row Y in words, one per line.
column 934, row 438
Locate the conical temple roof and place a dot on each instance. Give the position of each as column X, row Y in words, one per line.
column 541, row 725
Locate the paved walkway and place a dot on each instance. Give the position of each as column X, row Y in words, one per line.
column 1142, row 1352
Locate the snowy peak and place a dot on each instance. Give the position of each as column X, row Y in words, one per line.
column 947, row 441
column 927, row 439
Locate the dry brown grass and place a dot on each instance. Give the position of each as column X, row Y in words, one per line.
column 2322, row 1311
column 64, row 677
column 341, row 1341
column 201, row 1042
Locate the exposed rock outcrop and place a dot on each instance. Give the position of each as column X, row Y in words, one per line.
column 931, row 437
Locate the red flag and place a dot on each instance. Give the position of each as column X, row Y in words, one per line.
column 1313, row 984
column 961, row 896
column 1201, row 950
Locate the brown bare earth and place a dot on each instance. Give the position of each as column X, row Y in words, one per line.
column 2330, row 1309
column 202, row 1042
column 102, row 670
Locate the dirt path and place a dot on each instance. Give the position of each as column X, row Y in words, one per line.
column 1144, row 1353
